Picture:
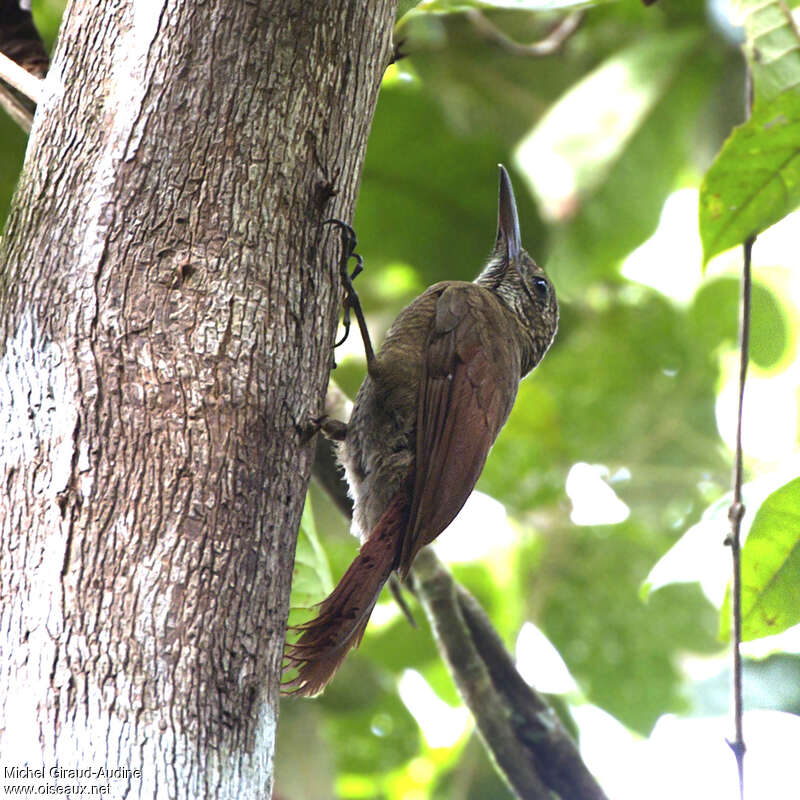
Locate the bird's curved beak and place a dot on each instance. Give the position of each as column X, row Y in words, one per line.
column 509, row 241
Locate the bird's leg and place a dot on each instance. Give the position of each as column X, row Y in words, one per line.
column 351, row 301
column 396, row 589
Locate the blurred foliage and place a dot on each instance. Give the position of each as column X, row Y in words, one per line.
column 312, row 573
column 631, row 107
column 713, row 318
column 14, row 140
column 633, row 377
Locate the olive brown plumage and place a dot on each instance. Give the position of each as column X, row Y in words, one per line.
column 435, row 397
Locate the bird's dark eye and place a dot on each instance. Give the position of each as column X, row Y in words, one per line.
column 541, row 288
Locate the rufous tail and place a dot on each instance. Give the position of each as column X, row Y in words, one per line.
column 344, row 614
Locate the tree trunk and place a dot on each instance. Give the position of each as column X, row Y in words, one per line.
column 168, row 302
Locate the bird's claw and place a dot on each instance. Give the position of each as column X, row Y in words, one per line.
column 351, row 301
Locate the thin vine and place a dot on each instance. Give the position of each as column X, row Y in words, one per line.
column 737, row 508
column 735, row 515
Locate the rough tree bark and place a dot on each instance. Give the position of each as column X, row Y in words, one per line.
column 167, row 306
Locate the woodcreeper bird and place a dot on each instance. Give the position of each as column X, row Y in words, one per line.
column 432, row 404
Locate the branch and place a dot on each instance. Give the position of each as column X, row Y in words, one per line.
column 531, row 748
column 20, row 79
column 544, row 47
column 18, row 110
column 23, row 63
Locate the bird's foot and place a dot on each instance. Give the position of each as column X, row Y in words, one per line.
column 333, row 429
column 351, row 301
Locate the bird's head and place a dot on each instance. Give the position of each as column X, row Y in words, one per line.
column 517, row 279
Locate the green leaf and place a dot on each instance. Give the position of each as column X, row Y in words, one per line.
column 755, row 179
column 713, row 317
column 311, row 579
column 770, row 568
column 772, row 47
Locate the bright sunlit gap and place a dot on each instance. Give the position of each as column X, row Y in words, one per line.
column 769, row 425
column 540, row 664
column 441, row 724
column 481, row 528
column 670, row 260
column 689, row 758
column 698, row 555
column 594, row 502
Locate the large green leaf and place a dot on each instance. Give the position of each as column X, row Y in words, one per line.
column 755, row 179
column 770, row 567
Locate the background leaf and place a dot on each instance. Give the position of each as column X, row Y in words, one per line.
column 770, row 567
column 581, row 137
column 771, row 47
column 311, row 580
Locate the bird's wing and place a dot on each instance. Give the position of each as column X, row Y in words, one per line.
column 469, row 382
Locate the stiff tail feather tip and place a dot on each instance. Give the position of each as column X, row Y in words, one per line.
column 343, row 615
